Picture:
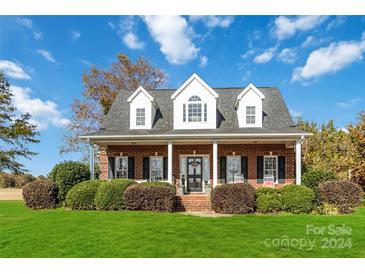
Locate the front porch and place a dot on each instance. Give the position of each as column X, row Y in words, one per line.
column 199, row 166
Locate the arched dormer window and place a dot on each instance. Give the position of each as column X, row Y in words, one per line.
column 195, row 111
column 194, row 98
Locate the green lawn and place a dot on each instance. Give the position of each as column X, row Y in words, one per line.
column 64, row 233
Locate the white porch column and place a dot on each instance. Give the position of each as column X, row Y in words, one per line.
column 169, row 162
column 215, row 163
column 91, row 162
column 298, row 162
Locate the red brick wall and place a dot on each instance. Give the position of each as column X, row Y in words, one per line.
column 250, row 150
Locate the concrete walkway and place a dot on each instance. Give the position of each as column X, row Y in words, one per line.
column 11, row 194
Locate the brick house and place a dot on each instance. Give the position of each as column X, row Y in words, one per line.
column 198, row 137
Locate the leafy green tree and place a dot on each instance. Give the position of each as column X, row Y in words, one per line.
column 328, row 149
column 357, row 135
column 338, row 151
column 16, row 132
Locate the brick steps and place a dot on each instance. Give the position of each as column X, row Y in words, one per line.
column 193, row 202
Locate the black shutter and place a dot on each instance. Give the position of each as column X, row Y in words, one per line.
column 130, row 167
column 111, row 167
column 281, row 164
column 223, row 168
column 260, row 169
column 146, row 168
column 165, row 168
column 244, row 168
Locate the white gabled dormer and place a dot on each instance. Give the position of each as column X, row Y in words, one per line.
column 142, row 107
column 195, row 105
column 249, row 107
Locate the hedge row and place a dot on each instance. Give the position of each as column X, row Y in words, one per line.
column 241, row 198
column 121, row 194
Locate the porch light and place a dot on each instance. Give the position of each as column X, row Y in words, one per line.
column 156, row 153
column 194, row 152
column 121, row 154
column 233, row 153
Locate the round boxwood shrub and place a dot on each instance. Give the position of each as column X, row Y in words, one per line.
column 268, row 200
column 67, row 174
column 154, row 198
column 297, row 198
column 236, row 198
column 313, row 178
column 40, row 194
column 110, row 194
column 344, row 195
column 82, row 195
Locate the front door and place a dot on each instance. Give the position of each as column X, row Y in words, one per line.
column 195, row 171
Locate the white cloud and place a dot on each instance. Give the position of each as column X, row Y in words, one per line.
column 111, row 25
column 288, row 55
column 127, row 31
column 213, row 21
column 265, row 57
column 174, row 36
column 27, row 23
column 203, row 61
column 13, row 70
column 337, row 22
column 348, row 104
column 44, row 113
column 85, row 62
column 247, row 54
column 46, row 55
column 75, row 35
column 330, row 59
column 285, row 27
column 132, row 42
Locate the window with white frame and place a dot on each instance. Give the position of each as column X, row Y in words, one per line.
column 140, row 117
column 156, row 168
column 270, row 168
column 195, row 111
column 121, row 167
column 250, row 115
column 234, row 169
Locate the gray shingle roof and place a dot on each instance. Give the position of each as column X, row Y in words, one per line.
column 276, row 118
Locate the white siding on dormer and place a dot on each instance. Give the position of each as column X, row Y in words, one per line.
column 249, row 99
column 197, row 89
column 141, row 101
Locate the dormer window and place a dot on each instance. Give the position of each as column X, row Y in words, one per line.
column 195, row 111
column 140, row 116
column 250, row 115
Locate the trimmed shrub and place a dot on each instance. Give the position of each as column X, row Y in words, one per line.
column 68, row 174
column 165, row 184
column 154, row 198
column 268, row 200
column 327, row 209
column 110, row 194
column 236, row 198
column 297, row 198
column 313, row 178
column 40, row 194
column 344, row 195
column 82, row 195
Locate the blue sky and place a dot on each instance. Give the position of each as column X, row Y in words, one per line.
column 316, row 61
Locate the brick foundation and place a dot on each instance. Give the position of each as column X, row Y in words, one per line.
column 249, row 150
